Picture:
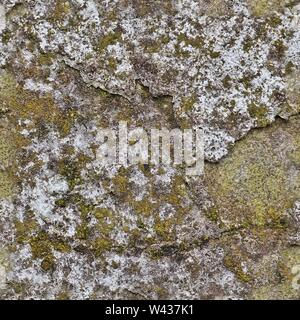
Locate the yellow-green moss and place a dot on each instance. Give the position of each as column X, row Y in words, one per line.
column 163, row 229
column 42, row 247
column 227, row 82
column 155, row 46
column 6, row 36
column 63, row 296
column 143, row 207
column 196, row 42
column 82, row 231
column 46, row 58
column 188, row 103
column 18, row 287
column 23, row 105
column 100, row 245
column 293, row 93
column 248, row 44
column 18, row 10
column 246, row 81
column 10, row 144
column 106, row 221
column 121, row 182
column 289, row 259
column 217, row 8
column 102, row 213
column 233, row 264
column 112, row 63
column 109, row 39
column 289, row 68
column 62, row 203
column 71, row 170
column 177, row 195
column 162, row 293
column 280, row 48
column 42, row 111
column 155, row 253
column 274, row 21
column 25, row 229
column 48, row 263
column 259, row 113
column 214, row 54
column 85, row 209
column 212, row 214
column 61, row 9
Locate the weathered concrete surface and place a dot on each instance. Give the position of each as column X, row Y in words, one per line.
column 70, row 228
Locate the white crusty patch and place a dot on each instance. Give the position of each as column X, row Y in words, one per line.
column 2, row 18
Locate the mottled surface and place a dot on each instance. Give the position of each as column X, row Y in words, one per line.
column 71, row 228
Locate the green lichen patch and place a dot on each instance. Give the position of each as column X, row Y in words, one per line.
column 7, row 147
column 288, row 286
column 267, row 7
column 294, row 155
column 7, row 184
column 10, row 145
column 255, row 185
column 18, row 10
column 293, row 88
column 217, row 8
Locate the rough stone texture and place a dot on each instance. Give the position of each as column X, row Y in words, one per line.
column 70, row 228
